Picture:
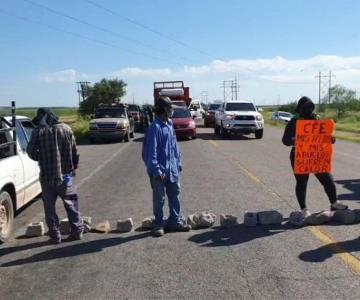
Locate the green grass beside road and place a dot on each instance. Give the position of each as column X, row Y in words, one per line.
column 346, row 128
column 79, row 125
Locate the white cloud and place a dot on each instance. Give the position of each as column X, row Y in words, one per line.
column 138, row 72
column 264, row 80
column 272, row 69
column 68, row 75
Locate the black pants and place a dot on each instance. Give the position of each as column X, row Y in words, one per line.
column 326, row 179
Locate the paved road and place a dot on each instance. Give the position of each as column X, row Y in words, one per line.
column 224, row 176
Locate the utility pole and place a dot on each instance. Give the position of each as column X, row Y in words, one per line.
column 330, row 76
column 325, row 86
column 230, row 89
column 319, row 88
column 83, row 90
column 204, row 97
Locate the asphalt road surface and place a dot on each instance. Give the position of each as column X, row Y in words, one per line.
column 223, row 176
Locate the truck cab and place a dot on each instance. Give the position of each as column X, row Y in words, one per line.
column 19, row 175
column 239, row 117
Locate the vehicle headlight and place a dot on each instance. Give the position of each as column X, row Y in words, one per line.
column 229, row 117
column 259, row 118
column 93, row 126
column 121, row 125
column 191, row 124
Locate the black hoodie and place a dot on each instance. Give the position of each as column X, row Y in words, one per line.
column 290, row 129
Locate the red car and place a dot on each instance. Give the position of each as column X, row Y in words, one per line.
column 184, row 124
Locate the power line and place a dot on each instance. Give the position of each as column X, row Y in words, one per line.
column 86, row 37
column 148, row 28
column 77, row 20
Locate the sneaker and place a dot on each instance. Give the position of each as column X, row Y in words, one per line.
column 179, row 228
column 305, row 212
column 338, row 206
column 158, row 232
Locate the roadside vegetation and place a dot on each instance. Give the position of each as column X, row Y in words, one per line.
column 344, row 109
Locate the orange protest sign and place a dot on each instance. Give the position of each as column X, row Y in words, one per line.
column 313, row 146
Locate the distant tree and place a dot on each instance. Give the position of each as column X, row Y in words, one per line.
column 343, row 99
column 106, row 91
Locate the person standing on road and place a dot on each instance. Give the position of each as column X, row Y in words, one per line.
column 161, row 155
column 305, row 111
column 53, row 145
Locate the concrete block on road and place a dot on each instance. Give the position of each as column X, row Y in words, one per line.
column 296, row 218
column 103, row 227
column 228, row 221
column 250, row 219
column 125, row 225
column 192, row 220
column 270, row 217
column 357, row 215
column 65, row 226
column 319, row 218
column 148, row 223
column 35, row 229
column 205, row 219
column 346, row 216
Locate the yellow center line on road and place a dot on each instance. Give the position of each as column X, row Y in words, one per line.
column 352, row 262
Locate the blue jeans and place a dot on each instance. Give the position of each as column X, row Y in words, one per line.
column 67, row 193
column 172, row 191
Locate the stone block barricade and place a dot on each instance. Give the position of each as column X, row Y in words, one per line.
column 228, row 221
column 206, row 219
column 35, row 229
column 124, row 225
column 200, row 220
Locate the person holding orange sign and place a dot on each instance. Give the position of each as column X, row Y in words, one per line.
column 305, row 111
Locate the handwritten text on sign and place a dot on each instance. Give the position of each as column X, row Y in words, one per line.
column 313, row 146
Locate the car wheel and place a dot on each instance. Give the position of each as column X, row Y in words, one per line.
column 132, row 134
column 127, row 136
column 223, row 131
column 6, row 215
column 259, row 134
column 216, row 129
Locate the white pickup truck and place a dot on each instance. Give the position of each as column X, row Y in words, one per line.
column 19, row 175
column 239, row 117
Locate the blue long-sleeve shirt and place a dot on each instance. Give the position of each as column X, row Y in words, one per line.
column 160, row 152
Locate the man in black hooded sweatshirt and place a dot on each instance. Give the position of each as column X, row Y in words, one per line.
column 305, row 111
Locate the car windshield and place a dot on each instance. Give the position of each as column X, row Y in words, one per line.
column 181, row 113
column 110, row 113
column 214, row 106
column 240, row 107
column 285, row 114
column 133, row 107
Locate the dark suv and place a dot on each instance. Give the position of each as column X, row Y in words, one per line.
column 136, row 113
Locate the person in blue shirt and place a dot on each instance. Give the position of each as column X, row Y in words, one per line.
column 161, row 156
